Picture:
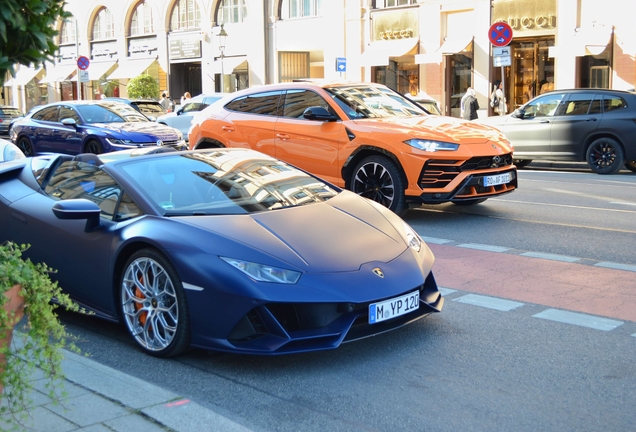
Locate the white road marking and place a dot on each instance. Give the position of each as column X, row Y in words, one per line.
column 579, row 319
column 622, row 203
column 617, row 266
column 436, row 240
column 489, row 248
column 564, row 206
column 445, row 291
column 549, row 256
column 488, row 302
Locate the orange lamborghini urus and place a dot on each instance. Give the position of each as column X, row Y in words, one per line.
column 364, row 137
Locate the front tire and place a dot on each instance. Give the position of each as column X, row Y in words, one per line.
column 605, row 156
column 25, row 145
column 379, row 179
column 154, row 305
column 94, row 147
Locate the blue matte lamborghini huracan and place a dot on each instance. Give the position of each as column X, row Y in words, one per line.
column 223, row 249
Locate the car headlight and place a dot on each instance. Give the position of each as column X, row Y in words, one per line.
column 414, row 241
column 118, row 141
column 179, row 136
column 264, row 273
column 431, row 146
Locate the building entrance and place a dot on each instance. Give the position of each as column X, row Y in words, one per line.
column 185, row 77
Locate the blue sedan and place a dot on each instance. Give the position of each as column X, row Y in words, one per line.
column 74, row 127
column 223, row 249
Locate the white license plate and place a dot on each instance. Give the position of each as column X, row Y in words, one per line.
column 497, row 179
column 394, row 307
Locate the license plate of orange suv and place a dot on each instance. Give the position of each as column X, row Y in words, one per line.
column 498, row 179
column 394, row 307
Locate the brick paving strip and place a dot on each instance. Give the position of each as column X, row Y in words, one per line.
column 575, row 287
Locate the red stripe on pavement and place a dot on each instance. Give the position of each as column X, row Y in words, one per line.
column 575, row 287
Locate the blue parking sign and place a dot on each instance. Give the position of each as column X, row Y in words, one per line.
column 341, row 64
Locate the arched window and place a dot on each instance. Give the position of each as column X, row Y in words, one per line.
column 231, row 11
column 103, row 27
column 141, row 22
column 300, row 8
column 67, row 34
column 185, row 15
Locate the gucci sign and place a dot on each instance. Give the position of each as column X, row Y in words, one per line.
column 525, row 22
column 396, row 34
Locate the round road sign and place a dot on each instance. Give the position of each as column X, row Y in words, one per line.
column 83, row 62
column 500, row 34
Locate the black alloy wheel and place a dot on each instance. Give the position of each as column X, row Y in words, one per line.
column 154, row 305
column 378, row 178
column 25, row 145
column 94, row 147
column 605, row 156
column 631, row 165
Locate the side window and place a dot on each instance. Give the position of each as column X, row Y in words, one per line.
column 578, row 104
column 611, row 103
column 193, row 106
column 260, row 103
column 46, row 114
column 297, row 101
column 543, row 106
column 596, row 107
column 75, row 179
column 68, row 112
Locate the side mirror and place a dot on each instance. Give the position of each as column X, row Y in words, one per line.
column 152, row 118
column 78, row 209
column 319, row 113
column 69, row 122
column 518, row 113
column 179, row 110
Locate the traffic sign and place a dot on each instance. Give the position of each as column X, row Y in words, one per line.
column 502, row 61
column 501, row 51
column 500, row 34
column 83, row 62
column 341, row 64
column 83, row 76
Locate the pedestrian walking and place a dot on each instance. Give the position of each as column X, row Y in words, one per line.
column 471, row 105
column 186, row 96
column 497, row 99
column 165, row 102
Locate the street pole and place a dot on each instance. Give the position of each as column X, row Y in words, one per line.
column 222, row 36
column 79, row 84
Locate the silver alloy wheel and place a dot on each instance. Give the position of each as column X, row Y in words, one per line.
column 372, row 180
column 149, row 303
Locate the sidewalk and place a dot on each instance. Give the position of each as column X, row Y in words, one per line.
column 102, row 399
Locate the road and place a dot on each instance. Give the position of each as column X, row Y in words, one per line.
column 538, row 330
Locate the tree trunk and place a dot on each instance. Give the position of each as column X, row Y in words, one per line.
column 15, row 310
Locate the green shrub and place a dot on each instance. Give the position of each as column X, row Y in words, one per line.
column 143, row 87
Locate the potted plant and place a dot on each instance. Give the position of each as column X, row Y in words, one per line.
column 29, row 291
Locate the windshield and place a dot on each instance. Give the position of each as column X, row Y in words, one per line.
column 150, row 108
column 10, row 112
column 109, row 113
column 373, row 102
column 223, row 182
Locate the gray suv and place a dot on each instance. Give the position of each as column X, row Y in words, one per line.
column 597, row 126
column 7, row 115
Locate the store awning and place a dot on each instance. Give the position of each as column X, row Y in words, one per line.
column 59, row 73
column 96, row 70
column 131, row 68
column 450, row 46
column 586, row 41
column 230, row 65
column 23, row 76
column 378, row 53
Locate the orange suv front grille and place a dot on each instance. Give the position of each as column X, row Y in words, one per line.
column 440, row 173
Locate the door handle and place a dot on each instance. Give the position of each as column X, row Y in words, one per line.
column 544, row 121
column 227, row 128
column 591, row 119
column 282, row 136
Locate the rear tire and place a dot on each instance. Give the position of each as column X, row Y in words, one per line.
column 631, row 165
column 379, row 179
column 520, row 163
column 605, row 156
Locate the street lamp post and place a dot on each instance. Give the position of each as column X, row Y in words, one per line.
column 222, row 36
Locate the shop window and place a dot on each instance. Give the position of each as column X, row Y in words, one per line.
column 594, row 71
column 380, row 4
column 401, row 77
column 300, row 8
column 231, row 11
column 141, row 22
column 293, row 65
column 185, row 15
column 103, row 26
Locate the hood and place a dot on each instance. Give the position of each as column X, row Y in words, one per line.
column 439, row 128
column 153, row 130
column 339, row 235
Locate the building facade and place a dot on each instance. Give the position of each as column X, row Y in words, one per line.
column 439, row 47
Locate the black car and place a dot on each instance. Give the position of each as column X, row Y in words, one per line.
column 592, row 125
column 148, row 107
